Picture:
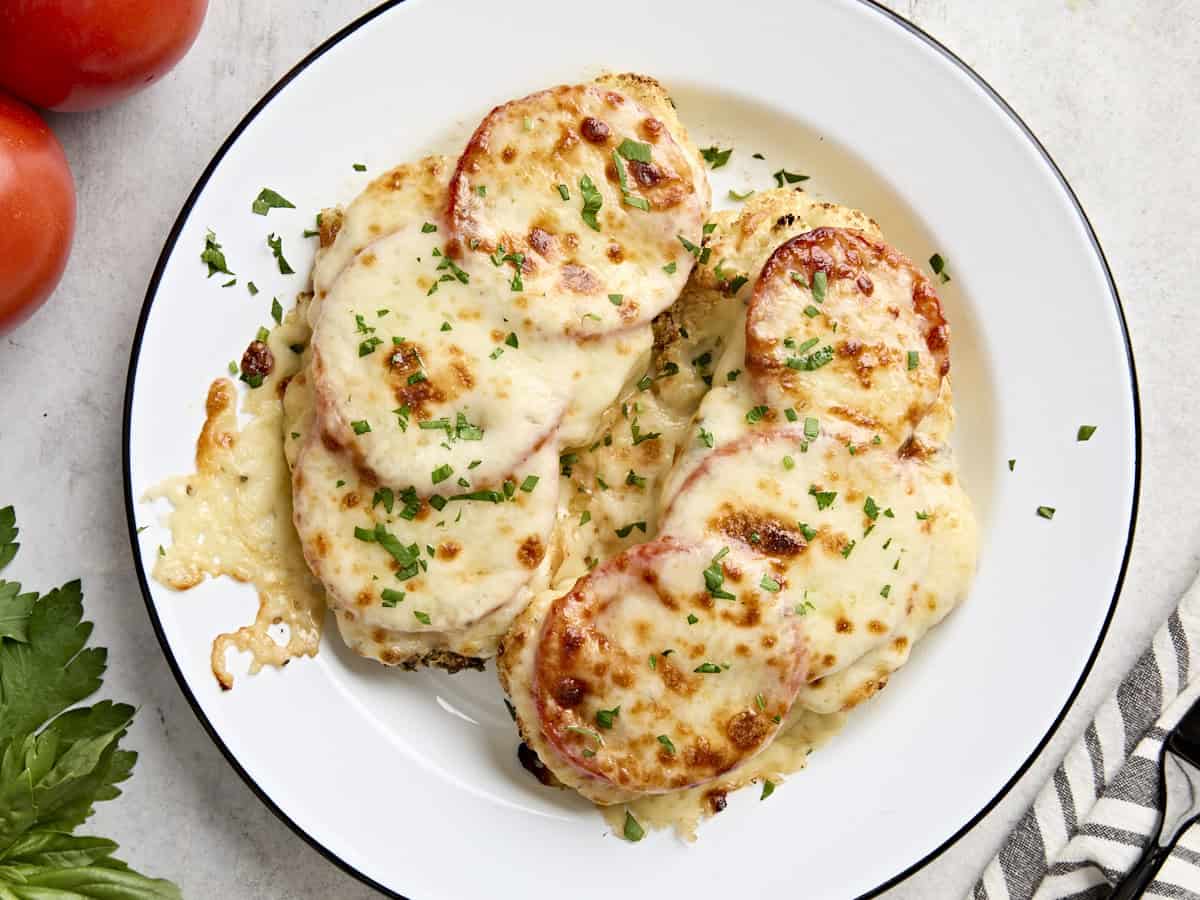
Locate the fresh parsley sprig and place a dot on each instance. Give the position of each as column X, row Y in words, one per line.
column 57, row 759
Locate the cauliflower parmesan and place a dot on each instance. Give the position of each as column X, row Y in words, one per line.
column 683, row 474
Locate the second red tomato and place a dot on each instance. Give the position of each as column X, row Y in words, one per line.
column 72, row 55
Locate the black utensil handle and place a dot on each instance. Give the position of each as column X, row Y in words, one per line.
column 1135, row 883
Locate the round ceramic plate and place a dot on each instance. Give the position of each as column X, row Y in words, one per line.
column 410, row 780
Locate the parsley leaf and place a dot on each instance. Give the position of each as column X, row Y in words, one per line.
column 783, row 175
column 57, row 765
column 268, row 199
column 276, row 245
column 213, row 256
column 592, row 201
column 715, row 156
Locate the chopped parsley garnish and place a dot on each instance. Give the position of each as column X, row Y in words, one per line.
column 789, row 463
column 939, row 267
column 497, row 353
column 422, row 617
column 644, row 383
column 417, row 378
column 922, row 515
column 824, row 498
column 820, row 284
column 811, row 311
column 1085, row 432
column 768, row 789
column 368, row 346
column 714, row 577
column 1012, row 464
column 563, row 192
column 732, row 375
column 703, row 360
column 783, row 175
column 441, row 473
column 592, row 201
column 734, row 195
column 1046, row 512
column 276, row 245
column 213, row 256
column 812, row 428
column 428, row 228
column 702, row 254
column 666, row 742
column 565, row 461
column 848, row 549
column 769, row 584
column 627, row 196
column 615, row 299
column 633, row 831
column 407, row 557
column 707, row 669
column 252, row 288
column 813, row 361
column 638, row 436
column 803, row 609
column 585, row 517
column 361, row 426
column 360, row 167
column 634, row 479
column 268, row 199
column 230, row 283
column 262, row 335
column 625, row 531
column 914, row 359
column 756, row 414
column 791, row 414
column 670, row 267
column 385, row 496
column 705, row 437
column 530, row 482
column 885, row 590
column 233, row 368
column 871, row 508
column 446, row 326
column 716, row 157
column 511, row 340
column 634, row 150
column 587, row 733
column 604, row 717
column 391, row 597
column 691, row 619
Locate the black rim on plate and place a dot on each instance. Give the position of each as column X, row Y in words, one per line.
column 169, row 247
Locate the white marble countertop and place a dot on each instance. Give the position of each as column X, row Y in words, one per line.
column 1112, row 87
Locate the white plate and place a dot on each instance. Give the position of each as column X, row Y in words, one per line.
column 411, row 781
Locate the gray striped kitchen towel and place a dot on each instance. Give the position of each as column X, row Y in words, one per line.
column 1088, row 825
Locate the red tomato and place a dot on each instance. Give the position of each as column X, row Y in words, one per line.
column 72, row 55
column 37, row 211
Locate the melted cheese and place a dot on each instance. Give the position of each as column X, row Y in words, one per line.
column 233, row 516
column 589, row 194
column 625, row 464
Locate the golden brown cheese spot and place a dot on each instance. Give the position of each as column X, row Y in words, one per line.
column 646, row 174
column 594, row 130
column 761, row 531
column 541, row 240
column 651, row 129
column 448, row 549
column 331, row 224
column 615, row 253
column 579, row 280
column 747, row 729
column 865, row 284
column 844, row 626
column 509, row 153
column 321, row 545
column 364, row 598
column 368, row 259
column 716, row 800
column 350, row 500
column 531, row 551
column 569, row 692
column 378, row 635
column 900, row 644
column 622, row 678
column 876, row 627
